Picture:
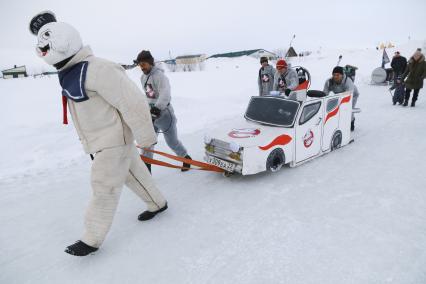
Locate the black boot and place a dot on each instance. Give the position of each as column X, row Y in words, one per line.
column 80, row 249
column 149, row 167
column 186, row 166
column 147, row 215
column 407, row 97
column 415, row 96
column 353, row 125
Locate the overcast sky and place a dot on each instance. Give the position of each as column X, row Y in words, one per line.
column 122, row 28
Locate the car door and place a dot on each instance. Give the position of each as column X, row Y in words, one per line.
column 331, row 121
column 309, row 131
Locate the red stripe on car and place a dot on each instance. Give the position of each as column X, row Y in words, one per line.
column 280, row 140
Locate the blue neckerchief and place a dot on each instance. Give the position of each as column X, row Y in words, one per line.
column 72, row 82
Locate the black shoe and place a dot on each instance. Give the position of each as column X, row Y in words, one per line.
column 147, row 215
column 80, row 249
column 405, row 103
column 149, row 167
column 353, row 125
column 413, row 103
column 186, row 166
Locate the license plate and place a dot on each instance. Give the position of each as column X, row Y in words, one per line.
column 227, row 166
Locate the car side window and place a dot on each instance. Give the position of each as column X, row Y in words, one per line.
column 331, row 104
column 308, row 112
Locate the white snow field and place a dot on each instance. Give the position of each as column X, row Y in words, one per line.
column 357, row 215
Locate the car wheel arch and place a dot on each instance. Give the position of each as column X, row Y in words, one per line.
column 336, row 140
column 275, row 160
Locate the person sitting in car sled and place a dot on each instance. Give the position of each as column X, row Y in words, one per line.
column 286, row 80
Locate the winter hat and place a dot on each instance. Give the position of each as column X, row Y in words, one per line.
column 40, row 20
column 144, row 56
column 263, row 59
column 338, row 69
column 281, row 64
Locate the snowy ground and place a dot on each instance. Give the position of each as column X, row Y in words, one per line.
column 357, row 215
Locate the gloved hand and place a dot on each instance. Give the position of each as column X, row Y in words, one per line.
column 287, row 92
column 155, row 112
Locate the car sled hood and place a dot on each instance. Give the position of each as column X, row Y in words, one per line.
column 251, row 134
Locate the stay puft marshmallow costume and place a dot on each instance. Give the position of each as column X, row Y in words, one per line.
column 109, row 113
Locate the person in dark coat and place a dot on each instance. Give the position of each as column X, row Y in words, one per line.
column 414, row 76
column 398, row 64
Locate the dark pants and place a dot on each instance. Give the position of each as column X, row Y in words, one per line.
column 415, row 94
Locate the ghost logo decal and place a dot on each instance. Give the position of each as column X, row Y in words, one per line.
column 265, row 78
column 244, row 133
column 150, row 91
column 308, row 138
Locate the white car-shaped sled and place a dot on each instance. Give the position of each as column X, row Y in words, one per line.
column 278, row 131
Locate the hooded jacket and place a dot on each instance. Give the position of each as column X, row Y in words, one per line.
column 288, row 80
column 345, row 85
column 116, row 112
column 265, row 80
column 157, row 88
column 415, row 73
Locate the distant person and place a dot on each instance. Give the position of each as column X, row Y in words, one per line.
column 340, row 83
column 398, row 64
column 286, row 79
column 109, row 113
column 265, row 79
column 157, row 89
column 414, row 74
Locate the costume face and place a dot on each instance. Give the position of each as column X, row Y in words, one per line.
column 57, row 41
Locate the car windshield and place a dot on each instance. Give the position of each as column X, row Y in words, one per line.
column 272, row 110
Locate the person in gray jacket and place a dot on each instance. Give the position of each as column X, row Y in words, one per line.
column 286, row 79
column 265, row 80
column 157, row 89
column 340, row 83
column 109, row 113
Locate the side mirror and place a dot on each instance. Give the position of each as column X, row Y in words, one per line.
column 316, row 94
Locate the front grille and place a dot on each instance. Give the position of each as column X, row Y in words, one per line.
column 222, row 150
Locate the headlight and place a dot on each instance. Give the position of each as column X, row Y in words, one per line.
column 234, row 147
column 209, row 148
column 207, row 139
column 235, row 156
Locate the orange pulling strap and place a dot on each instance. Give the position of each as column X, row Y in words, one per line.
column 202, row 166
